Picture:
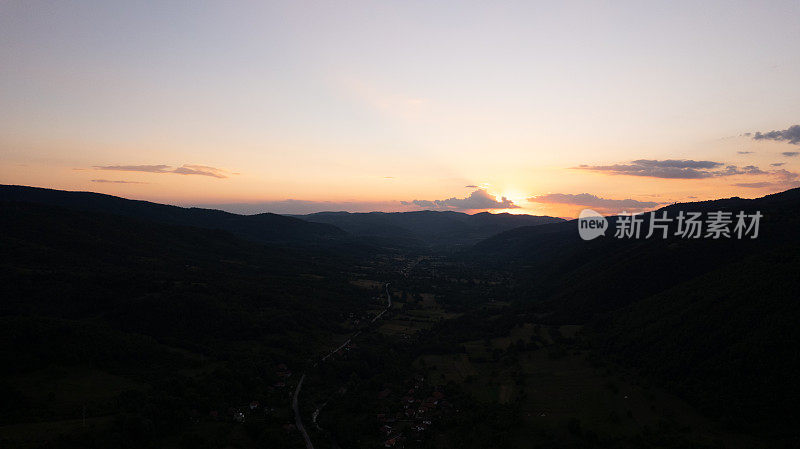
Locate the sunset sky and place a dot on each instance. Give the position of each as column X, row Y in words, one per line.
column 296, row 107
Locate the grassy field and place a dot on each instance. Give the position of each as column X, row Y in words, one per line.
column 558, row 385
column 409, row 320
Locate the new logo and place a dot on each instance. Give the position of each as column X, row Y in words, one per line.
column 591, row 224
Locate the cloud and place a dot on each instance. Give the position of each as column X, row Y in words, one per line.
column 784, row 179
column 731, row 170
column 470, row 187
column 673, row 169
column 185, row 169
column 479, row 199
column 143, row 168
column 202, row 170
column 785, row 175
column 117, row 182
column 778, row 164
column 790, row 153
column 744, row 152
column 755, row 185
column 589, row 200
column 790, row 135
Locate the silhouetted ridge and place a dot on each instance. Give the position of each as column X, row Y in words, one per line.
column 260, row 228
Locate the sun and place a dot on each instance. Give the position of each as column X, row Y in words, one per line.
column 518, row 197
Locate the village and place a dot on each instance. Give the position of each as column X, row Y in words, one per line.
column 410, row 416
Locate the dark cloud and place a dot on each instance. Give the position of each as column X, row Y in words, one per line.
column 470, row 187
column 783, row 179
column 589, row 200
column 778, row 164
column 479, row 199
column 790, row 153
column 755, row 185
column 202, row 170
column 790, row 135
column 744, row 152
column 673, row 169
column 144, row 168
column 731, row 170
column 117, row 182
column 785, row 175
column 185, row 169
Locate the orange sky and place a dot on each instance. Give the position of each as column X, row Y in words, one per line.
column 365, row 106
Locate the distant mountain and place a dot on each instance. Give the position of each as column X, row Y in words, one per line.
column 262, row 228
column 427, row 227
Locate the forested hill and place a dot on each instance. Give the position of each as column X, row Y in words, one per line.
column 714, row 320
column 264, row 227
column 164, row 318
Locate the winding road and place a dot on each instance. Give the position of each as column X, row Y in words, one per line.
column 295, row 406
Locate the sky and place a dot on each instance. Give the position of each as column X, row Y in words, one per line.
column 294, row 107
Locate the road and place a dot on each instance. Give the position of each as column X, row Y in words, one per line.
column 389, row 306
column 298, row 420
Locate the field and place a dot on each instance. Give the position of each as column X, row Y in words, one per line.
column 561, row 390
column 411, row 315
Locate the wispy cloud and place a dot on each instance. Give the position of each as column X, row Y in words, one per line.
column 778, row 164
column 185, row 169
column 791, row 153
column 141, row 168
column 782, row 180
column 745, row 152
column 790, row 135
column 673, row 169
column 479, row 199
column 202, row 170
column 589, row 200
column 755, row 185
